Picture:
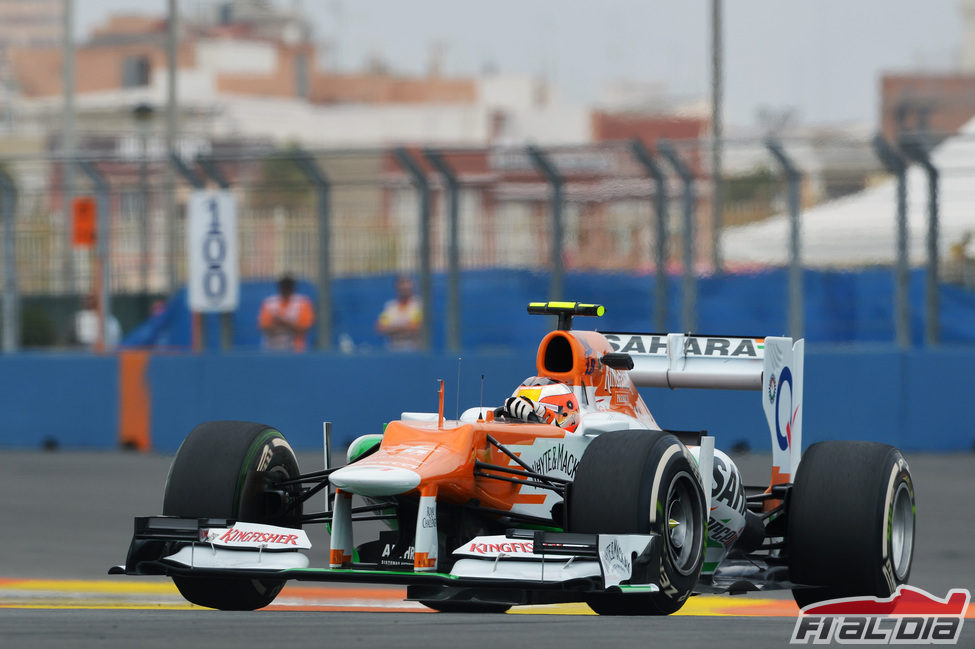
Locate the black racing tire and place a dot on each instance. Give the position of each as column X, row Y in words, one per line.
column 223, row 470
column 636, row 482
column 851, row 521
column 448, row 606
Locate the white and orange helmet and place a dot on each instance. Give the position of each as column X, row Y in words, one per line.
column 561, row 405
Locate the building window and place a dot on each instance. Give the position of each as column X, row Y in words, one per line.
column 135, row 71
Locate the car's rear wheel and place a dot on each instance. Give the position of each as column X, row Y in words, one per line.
column 229, row 469
column 851, row 520
column 640, row 482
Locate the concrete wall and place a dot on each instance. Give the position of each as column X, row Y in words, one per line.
column 916, row 399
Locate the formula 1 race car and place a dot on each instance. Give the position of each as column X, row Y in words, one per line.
column 568, row 492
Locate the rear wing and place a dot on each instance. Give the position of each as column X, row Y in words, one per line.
column 773, row 365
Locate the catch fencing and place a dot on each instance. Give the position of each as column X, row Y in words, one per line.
column 833, row 205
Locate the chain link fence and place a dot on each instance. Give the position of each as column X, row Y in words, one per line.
column 622, row 208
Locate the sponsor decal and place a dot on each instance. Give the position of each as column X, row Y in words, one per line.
column 666, row 586
column 726, row 486
column 389, row 550
column 392, row 555
column 265, row 460
column 429, row 519
column 556, row 458
column 234, row 535
column 507, row 547
column 771, row 389
column 639, row 344
column 621, row 397
column 693, row 345
column 496, row 546
column 909, row 616
column 616, row 560
column 256, row 535
column 616, row 380
column 718, row 531
column 785, row 378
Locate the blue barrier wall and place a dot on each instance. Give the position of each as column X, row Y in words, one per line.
column 840, row 307
column 70, row 398
column 915, row 399
column 296, row 394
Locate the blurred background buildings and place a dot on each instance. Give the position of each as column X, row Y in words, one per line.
column 255, row 84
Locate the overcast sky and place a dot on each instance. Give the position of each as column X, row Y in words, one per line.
column 821, row 57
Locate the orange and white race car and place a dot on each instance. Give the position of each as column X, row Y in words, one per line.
column 569, row 491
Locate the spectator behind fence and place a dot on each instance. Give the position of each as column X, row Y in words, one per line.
column 961, row 264
column 402, row 317
column 285, row 318
column 84, row 329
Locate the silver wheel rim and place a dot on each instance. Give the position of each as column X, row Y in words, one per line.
column 685, row 532
column 901, row 531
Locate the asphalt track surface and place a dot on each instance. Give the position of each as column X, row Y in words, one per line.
column 65, row 517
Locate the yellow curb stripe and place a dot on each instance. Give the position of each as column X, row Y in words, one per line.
column 156, row 595
column 107, row 607
column 90, row 586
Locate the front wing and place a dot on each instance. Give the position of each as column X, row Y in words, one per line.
column 521, row 567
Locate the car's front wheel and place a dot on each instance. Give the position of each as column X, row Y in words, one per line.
column 229, row 469
column 642, row 482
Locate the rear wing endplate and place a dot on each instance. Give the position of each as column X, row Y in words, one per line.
column 773, row 365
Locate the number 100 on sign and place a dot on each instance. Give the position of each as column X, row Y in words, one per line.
column 211, row 248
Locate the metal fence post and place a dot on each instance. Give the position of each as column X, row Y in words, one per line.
column 69, row 139
column 717, row 132
column 172, row 135
column 794, row 180
column 894, row 162
column 915, row 149
column 645, row 158
column 419, row 179
column 323, row 191
column 689, row 312
column 101, row 244
column 212, row 170
column 556, row 182
column 11, row 296
column 188, row 174
column 182, row 169
column 453, row 251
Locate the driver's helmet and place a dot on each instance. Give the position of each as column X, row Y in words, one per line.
column 561, row 405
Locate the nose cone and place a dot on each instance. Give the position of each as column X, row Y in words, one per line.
column 375, row 480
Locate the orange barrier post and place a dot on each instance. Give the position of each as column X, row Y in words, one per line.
column 96, row 279
column 135, row 400
column 196, row 331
